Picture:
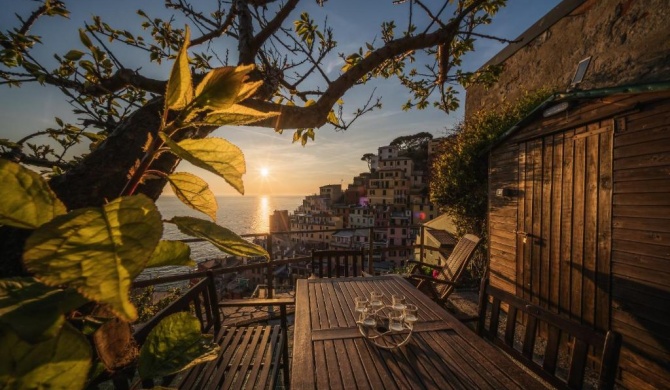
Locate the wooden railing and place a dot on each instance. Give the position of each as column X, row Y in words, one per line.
column 366, row 257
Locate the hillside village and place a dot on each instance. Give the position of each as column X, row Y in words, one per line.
column 390, row 201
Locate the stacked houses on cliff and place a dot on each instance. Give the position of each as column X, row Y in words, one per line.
column 385, row 206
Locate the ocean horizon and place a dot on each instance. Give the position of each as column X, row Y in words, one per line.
column 241, row 214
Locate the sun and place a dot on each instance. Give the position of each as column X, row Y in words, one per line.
column 265, row 172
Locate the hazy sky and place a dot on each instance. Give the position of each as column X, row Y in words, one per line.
column 335, row 155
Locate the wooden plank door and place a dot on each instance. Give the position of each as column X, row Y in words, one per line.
column 564, row 222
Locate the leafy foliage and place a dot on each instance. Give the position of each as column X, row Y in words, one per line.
column 147, row 306
column 213, row 154
column 193, row 192
column 220, row 237
column 60, row 362
column 175, row 344
column 97, row 251
column 91, row 255
column 460, row 170
column 34, row 311
column 27, row 201
column 171, row 253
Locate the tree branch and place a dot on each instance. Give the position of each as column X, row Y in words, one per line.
column 273, row 25
column 292, row 117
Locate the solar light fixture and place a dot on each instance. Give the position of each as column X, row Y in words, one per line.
column 581, row 71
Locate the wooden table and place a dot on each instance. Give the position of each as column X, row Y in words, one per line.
column 330, row 353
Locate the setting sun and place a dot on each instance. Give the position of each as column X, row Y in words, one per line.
column 264, row 172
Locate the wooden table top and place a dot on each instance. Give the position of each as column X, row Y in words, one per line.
column 330, row 353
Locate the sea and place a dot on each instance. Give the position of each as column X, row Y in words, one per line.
column 241, row 214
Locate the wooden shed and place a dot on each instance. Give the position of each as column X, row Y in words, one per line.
column 579, row 217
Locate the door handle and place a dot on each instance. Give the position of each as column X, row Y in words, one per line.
column 523, row 234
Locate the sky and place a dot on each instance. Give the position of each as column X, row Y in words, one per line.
column 334, row 157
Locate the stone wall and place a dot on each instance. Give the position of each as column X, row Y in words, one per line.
column 628, row 40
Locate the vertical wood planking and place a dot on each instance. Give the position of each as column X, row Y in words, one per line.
column 591, row 180
column 604, row 239
column 566, row 222
column 578, row 226
column 536, row 239
column 521, row 207
column 556, row 215
column 547, row 205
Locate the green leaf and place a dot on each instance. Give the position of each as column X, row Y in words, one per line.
column 85, row 39
column 220, row 87
column 61, row 362
column 171, row 253
column 33, row 310
column 175, row 344
column 180, row 86
column 194, row 192
column 73, row 55
column 27, row 201
column 213, row 154
column 237, row 115
column 97, row 251
column 220, row 237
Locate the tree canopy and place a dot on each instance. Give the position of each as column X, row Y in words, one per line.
column 410, row 142
column 119, row 107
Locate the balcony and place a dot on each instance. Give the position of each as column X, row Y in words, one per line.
column 238, row 324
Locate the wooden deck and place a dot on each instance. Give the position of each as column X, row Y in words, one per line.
column 330, row 353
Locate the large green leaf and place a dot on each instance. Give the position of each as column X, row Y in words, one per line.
column 26, row 199
column 219, row 236
column 213, row 154
column 61, row 362
column 98, row 251
column 222, row 87
column 237, row 115
column 180, row 86
column 194, row 192
column 171, row 253
column 33, row 310
column 175, row 344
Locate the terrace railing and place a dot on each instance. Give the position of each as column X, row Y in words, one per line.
column 365, row 259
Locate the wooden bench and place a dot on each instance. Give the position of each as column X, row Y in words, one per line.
column 250, row 357
column 560, row 331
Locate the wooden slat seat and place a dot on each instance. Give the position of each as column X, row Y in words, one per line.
column 249, row 359
column 560, row 333
column 449, row 275
column 250, row 356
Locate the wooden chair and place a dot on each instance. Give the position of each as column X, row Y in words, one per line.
column 443, row 285
column 250, row 357
column 579, row 338
column 338, row 263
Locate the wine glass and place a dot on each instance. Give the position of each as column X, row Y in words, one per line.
column 398, row 302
